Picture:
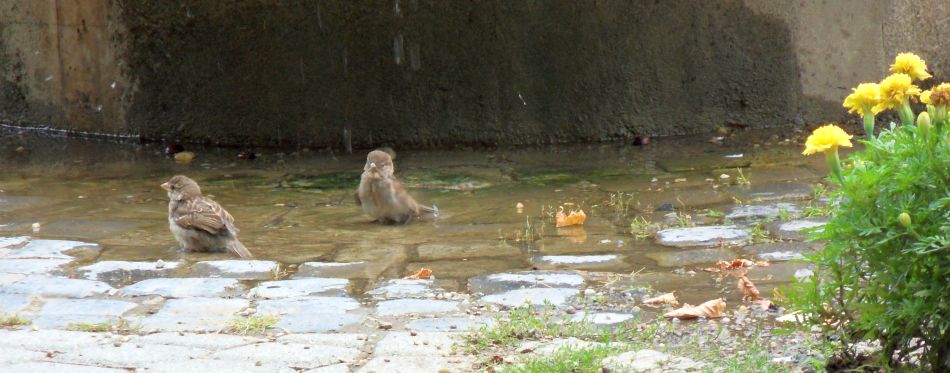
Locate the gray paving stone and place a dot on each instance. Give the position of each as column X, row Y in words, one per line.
column 498, row 282
column 602, row 318
column 185, row 287
column 290, row 354
column 239, row 269
column 702, row 236
column 122, row 272
column 448, row 324
column 208, row 365
column 9, row 278
column 299, row 288
column 399, row 307
column 59, row 313
column 128, row 355
column 312, row 314
column 12, row 304
column 412, row 364
column 335, row 368
column 534, row 296
column 422, row 344
column 332, row 269
column 53, row 249
column 12, row 242
column 32, row 266
column 349, row 340
column 11, row 355
column 45, row 367
column 681, row 258
column 211, row 342
column 46, row 340
column 768, row 192
column 56, row 287
column 189, row 314
column 795, row 229
column 401, row 288
column 763, row 211
column 577, row 261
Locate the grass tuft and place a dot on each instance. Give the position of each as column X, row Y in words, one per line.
column 13, row 320
column 253, row 324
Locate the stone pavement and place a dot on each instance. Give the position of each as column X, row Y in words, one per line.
column 171, row 317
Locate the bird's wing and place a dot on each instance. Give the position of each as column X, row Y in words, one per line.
column 206, row 215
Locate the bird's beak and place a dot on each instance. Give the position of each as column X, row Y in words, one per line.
column 167, row 187
column 372, row 164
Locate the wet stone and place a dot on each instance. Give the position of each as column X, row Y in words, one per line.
column 401, row 288
column 299, row 288
column 122, row 272
column 205, row 341
column 681, row 258
column 702, row 236
column 773, row 192
column 9, row 278
column 400, row 307
column 184, row 287
column 576, row 261
column 795, row 229
column 649, row 361
column 447, row 324
column 239, row 269
column 53, row 249
column 497, row 282
column 411, row 364
column 45, row 340
column 602, row 318
column 13, row 242
column 533, row 296
column 350, row 340
column 421, row 344
column 59, row 313
column 32, row 266
column 778, row 251
column 128, row 355
column 763, row 211
column 447, row 251
column 312, row 314
column 777, row 273
column 332, row 269
column 11, row 304
column 194, row 314
column 56, row 287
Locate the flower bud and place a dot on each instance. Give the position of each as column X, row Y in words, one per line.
column 904, row 219
column 923, row 122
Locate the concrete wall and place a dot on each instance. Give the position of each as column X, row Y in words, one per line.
column 433, row 73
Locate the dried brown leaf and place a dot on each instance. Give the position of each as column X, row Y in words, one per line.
column 668, row 298
column 749, row 292
column 574, row 218
column 710, row 309
column 421, row 274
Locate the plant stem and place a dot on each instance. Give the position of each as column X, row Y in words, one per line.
column 906, row 115
column 834, row 165
column 869, row 125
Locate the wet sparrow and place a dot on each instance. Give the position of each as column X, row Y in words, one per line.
column 197, row 222
column 382, row 195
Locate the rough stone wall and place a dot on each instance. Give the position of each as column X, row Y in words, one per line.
column 434, row 73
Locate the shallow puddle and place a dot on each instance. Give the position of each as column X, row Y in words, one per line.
column 296, row 205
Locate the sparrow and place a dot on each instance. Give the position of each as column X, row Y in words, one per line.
column 383, row 197
column 197, row 222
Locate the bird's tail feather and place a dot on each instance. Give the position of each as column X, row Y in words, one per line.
column 238, row 248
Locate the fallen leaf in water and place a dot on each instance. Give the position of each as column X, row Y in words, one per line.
column 574, row 218
column 668, row 298
column 421, row 274
column 710, row 309
column 184, row 157
column 750, row 293
column 737, row 267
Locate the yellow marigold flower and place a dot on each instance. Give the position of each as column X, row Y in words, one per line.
column 895, row 90
column 827, row 137
column 939, row 95
column 925, row 97
column 910, row 64
column 863, row 99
